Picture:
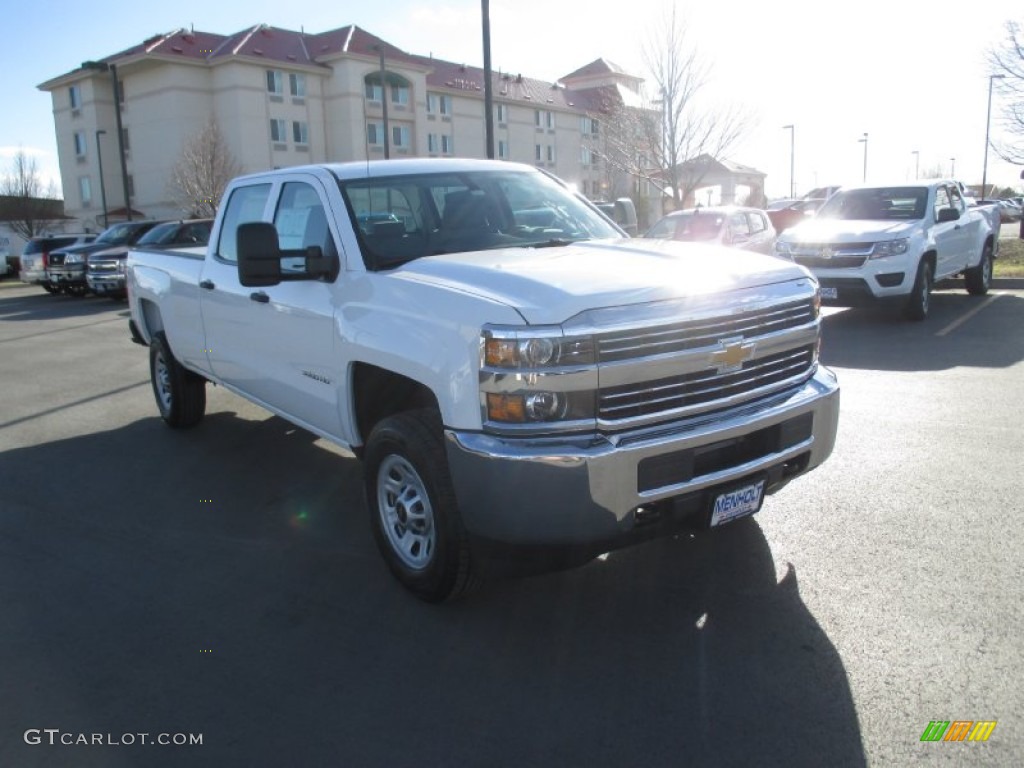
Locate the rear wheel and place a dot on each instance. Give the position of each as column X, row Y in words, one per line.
column 180, row 394
column 920, row 297
column 413, row 512
column 979, row 278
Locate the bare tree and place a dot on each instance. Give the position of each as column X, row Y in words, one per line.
column 203, row 171
column 664, row 139
column 1007, row 59
column 25, row 205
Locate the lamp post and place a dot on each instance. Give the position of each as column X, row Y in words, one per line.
column 384, row 102
column 917, row 163
column 864, row 141
column 102, row 66
column 792, row 155
column 988, row 123
column 485, row 13
column 103, row 187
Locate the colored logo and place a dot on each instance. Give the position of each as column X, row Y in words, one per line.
column 731, row 355
column 958, row 730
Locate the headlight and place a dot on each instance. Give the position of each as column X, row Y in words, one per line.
column 889, row 248
column 538, row 407
column 540, row 351
column 74, row 258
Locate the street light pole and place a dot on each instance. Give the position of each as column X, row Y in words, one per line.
column 792, row 156
column 864, row 141
column 917, row 164
column 102, row 66
column 384, row 102
column 103, row 187
column 485, row 12
column 988, row 123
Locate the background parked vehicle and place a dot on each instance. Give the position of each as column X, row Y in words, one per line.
column 623, row 213
column 175, row 233
column 67, row 266
column 36, row 254
column 746, row 228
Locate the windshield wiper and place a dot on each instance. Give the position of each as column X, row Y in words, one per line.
column 554, row 242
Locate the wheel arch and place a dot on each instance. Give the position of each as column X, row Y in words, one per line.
column 378, row 393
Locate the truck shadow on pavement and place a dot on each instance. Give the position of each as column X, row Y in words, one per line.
column 954, row 334
column 224, row 581
column 22, row 305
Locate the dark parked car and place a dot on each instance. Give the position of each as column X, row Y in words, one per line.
column 746, row 228
column 67, row 266
column 35, row 257
column 793, row 213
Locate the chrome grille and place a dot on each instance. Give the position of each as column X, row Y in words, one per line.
column 103, row 266
column 679, row 337
column 56, row 258
column 836, row 262
column 703, row 387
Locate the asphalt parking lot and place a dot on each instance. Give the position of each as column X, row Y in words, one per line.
column 223, row 582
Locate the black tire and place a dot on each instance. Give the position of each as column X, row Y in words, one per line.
column 979, row 278
column 180, row 394
column 50, row 288
column 407, row 479
column 919, row 301
column 76, row 289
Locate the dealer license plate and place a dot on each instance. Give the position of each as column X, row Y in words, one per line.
column 737, row 503
column 829, row 292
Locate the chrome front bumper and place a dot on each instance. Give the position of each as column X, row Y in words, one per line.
column 587, row 490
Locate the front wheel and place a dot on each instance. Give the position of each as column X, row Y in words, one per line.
column 76, row 289
column 979, row 278
column 920, row 297
column 412, row 506
column 50, row 288
column 180, row 394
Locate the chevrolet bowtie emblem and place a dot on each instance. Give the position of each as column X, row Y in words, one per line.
column 732, row 355
column 826, row 253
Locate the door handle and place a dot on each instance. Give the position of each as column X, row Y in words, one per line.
column 259, row 296
column 207, row 284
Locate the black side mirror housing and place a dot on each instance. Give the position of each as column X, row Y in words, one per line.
column 948, row 214
column 259, row 255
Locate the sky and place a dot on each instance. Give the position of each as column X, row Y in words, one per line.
column 911, row 74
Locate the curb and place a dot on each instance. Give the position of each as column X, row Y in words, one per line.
column 1007, row 282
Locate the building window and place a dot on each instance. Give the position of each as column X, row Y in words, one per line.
column 502, row 149
column 75, row 95
column 300, row 132
column 400, row 135
column 501, row 112
column 120, row 91
column 439, row 104
column 131, row 186
column 275, row 82
column 588, row 126
column 374, row 92
column 399, row 94
column 278, row 131
column 374, row 133
column 551, row 153
column 85, row 190
column 80, row 144
column 447, row 145
column 538, row 154
column 297, row 84
column 543, row 118
column 432, row 143
column 586, row 156
column 124, row 140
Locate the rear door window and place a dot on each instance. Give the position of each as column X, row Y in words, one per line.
column 246, row 204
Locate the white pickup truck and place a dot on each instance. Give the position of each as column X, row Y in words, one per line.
column 516, row 375
column 872, row 244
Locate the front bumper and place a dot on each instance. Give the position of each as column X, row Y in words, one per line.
column 66, row 275
column 595, row 491
column 106, row 282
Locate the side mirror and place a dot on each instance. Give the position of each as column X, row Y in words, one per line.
column 259, row 255
column 948, row 214
column 320, row 266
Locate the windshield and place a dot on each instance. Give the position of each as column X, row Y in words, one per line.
column 877, row 204
column 401, row 218
column 119, row 234
column 692, row 226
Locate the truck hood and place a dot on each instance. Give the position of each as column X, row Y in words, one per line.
column 847, row 231
column 551, row 285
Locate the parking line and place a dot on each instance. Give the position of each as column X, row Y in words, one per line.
column 964, row 318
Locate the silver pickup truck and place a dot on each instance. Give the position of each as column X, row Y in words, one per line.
column 517, row 376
